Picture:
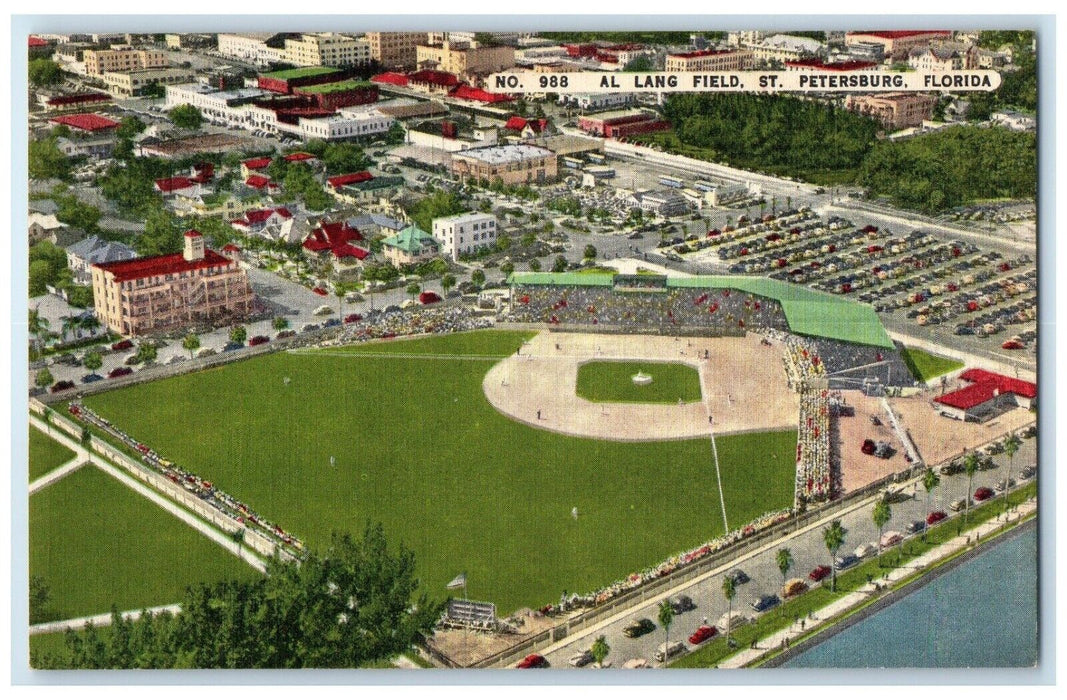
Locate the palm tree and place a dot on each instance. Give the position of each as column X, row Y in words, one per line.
column 70, row 323
column 784, row 558
column 1011, row 446
column 448, row 281
column 833, row 537
column 90, row 323
column 729, row 590
column 191, row 343
column 340, row 290
column 930, row 482
column 970, row 465
column 666, row 617
column 881, row 515
column 600, row 650
column 38, row 326
column 413, row 289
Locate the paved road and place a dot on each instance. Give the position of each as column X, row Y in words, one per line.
column 808, row 552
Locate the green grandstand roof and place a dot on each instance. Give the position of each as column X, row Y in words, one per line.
column 343, row 86
column 305, row 72
column 808, row 312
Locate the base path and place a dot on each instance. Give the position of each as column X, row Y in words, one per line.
column 742, row 383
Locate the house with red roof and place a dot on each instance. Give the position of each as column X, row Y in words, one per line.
column 254, row 166
column 177, row 186
column 391, row 78
column 897, row 44
column 526, row 128
column 988, row 394
column 165, row 293
column 435, row 82
column 74, row 102
column 336, row 242
column 338, row 181
column 262, row 183
column 86, row 123
column 300, row 157
column 473, row 94
column 263, row 222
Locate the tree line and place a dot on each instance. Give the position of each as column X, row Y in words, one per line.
column 355, row 604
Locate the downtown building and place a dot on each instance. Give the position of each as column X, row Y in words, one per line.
column 395, row 50
column 164, row 293
column 709, row 60
column 462, row 234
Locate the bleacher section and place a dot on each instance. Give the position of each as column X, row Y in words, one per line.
column 471, row 614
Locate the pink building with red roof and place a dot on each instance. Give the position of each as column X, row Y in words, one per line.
column 987, row 393
column 897, row 43
column 257, row 220
column 336, row 240
column 163, row 293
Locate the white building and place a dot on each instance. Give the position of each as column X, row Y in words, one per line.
column 327, row 49
column 251, row 47
column 785, row 47
column 465, row 233
column 233, row 107
column 593, row 101
column 348, row 123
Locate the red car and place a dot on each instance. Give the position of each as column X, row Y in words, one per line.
column 983, row 493
column 936, row 517
column 533, row 661
column 62, row 386
column 703, row 634
column 868, row 447
column 353, row 318
column 258, row 340
column 122, row 345
column 819, row 573
column 119, row 372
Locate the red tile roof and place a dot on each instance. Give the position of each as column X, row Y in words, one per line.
column 80, row 97
column 297, row 157
column 36, row 42
column 257, row 181
column 350, row 178
column 172, row 184
column 256, row 163
column 86, row 122
column 230, row 248
column 516, row 123
column 466, row 92
column 986, row 386
column 818, row 64
column 901, row 34
column 700, row 54
column 173, row 263
column 258, row 216
column 337, row 238
column 434, row 77
column 390, row 78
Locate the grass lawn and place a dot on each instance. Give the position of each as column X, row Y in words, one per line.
column 611, row 382
column 925, row 366
column 713, row 652
column 419, row 448
column 50, row 650
column 95, row 543
column 46, row 454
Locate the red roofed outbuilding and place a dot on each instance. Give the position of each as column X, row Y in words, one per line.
column 466, row 92
column 338, row 181
column 89, row 123
column 986, row 392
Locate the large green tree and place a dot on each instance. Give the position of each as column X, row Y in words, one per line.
column 186, row 117
column 46, row 161
column 44, row 72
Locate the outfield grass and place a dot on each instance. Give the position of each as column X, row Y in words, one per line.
column 46, row 454
column 419, row 448
column 925, row 366
column 612, row 382
column 95, row 543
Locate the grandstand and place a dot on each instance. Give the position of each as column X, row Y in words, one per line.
column 470, row 614
column 846, row 337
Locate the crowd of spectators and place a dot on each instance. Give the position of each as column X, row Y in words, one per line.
column 665, row 568
column 814, row 478
column 715, row 310
column 393, row 323
column 201, row 488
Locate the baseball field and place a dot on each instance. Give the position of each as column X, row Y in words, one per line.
column 401, row 432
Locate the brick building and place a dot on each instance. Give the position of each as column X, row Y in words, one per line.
column 513, row 164
column 896, row 44
column 895, row 110
column 121, row 58
column 709, row 60
column 464, row 59
column 395, row 49
column 168, row 292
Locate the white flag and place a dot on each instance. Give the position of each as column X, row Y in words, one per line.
column 458, row 582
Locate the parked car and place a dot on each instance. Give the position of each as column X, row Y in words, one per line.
column 90, row 378
column 308, row 327
column 681, row 604
column 287, row 333
column 206, row 352
column 738, row 576
column 982, row 493
column 582, row 658
column 132, row 359
column 794, row 587
column 69, row 360
column 324, row 310
column 331, row 323
column 865, row 550
column 637, row 628
column 62, row 386
column 915, row 527
column 1028, row 471
column 119, row 372
column 868, row 447
column 703, row 634
column 667, row 651
column 258, row 340
column 353, row 318
column 231, row 346
column 896, row 496
column 846, row 562
column 951, row 468
column 765, row 602
column 936, row 517
column 958, row 505
column 636, row 663
column 819, row 573
column 533, row 661
column 122, row 345
column 891, row 539
column 1003, row 485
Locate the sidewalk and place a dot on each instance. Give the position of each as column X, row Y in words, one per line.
column 59, row 472
column 77, row 623
column 780, row 639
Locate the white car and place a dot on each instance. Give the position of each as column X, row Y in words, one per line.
column 866, row 550
column 324, row 310
column 582, row 658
